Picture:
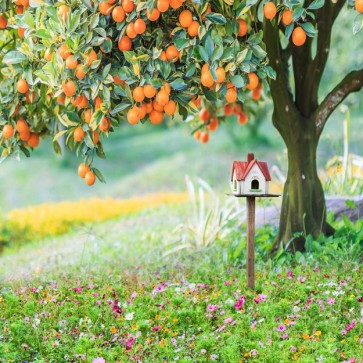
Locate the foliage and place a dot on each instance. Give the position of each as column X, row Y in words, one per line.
column 51, row 219
column 38, row 39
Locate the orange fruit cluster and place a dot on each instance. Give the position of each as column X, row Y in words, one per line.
column 85, row 172
column 151, row 104
column 24, row 133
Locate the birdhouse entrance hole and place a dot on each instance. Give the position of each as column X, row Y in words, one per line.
column 255, row 185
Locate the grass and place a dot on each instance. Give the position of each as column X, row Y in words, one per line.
column 107, row 292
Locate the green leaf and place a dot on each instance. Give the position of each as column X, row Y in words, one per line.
column 99, row 175
column 28, row 19
column 309, row 29
column 288, row 30
column 256, row 38
column 238, row 81
column 105, row 70
column 258, row 51
column 209, row 46
column 119, row 108
column 25, row 151
column 190, row 70
column 216, row 18
column 42, row 33
column 58, row 135
column 181, row 43
column 57, row 148
column 357, row 23
column 316, row 4
column 217, row 53
column 14, row 57
column 271, row 73
column 178, row 84
column 203, row 54
column 297, row 13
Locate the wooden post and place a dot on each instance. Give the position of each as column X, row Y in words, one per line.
column 251, row 202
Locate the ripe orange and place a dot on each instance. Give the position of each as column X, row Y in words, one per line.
column 24, row 136
column 162, row 5
column 8, row 131
column 170, row 108
column 80, row 73
column 207, row 79
column 172, row 53
column 176, row 4
column 96, row 137
column 358, row 4
column 19, row 9
column 138, row 94
column 130, row 31
column 128, row 5
column 48, row 55
column 118, row 80
column 140, row 26
column 197, row 134
column 149, row 107
column 185, row 18
column 269, row 10
column 98, row 101
column 197, row 100
column 149, row 91
column 287, row 17
column 204, row 137
column 22, row 86
column 156, row 117
column 166, row 88
column 21, row 32
column 105, row 124
column 243, row 118
column 163, row 56
column 243, row 28
column 83, row 169
column 69, row 88
column 162, row 98
column 90, row 178
column 71, row 63
column 133, row 116
column 141, row 110
column 124, row 43
column 63, row 11
column 105, row 8
column 204, row 115
column 33, row 140
column 78, row 134
column 16, row 111
column 213, row 124
column 231, row 95
column 154, row 15
column 118, row 14
column 88, row 115
column 157, row 107
column 64, row 51
column 256, row 94
column 91, row 56
column 221, row 75
column 193, row 29
column 30, row 97
column 298, row 36
column 83, row 102
column 209, row 10
column 25, row 3
column 253, row 81
column 3, row 22
column 61, row 98
column 22, row 126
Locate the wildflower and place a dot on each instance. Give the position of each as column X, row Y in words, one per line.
column 173, row 341
column 351, row 325
column 156, row 328
column 221, row 328
column 98, row 360
column 116, row 307
column 343, row 332
column 306, row 336
column 284, row 336
column 293, row 349
column 228, row 320
column 129, row 343
column 113, row 330
column 289, row 274
column 129, row 316
column 212, row 307
column 254, row 353
column 203, row 351
column 239, row 304
column 133, row 295
column 331, row 301
column 281, row 328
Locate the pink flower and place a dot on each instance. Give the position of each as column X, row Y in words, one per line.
column 129, row 343
column 239, row 304
column 293, row 349
column 115, row 307
column 156, row 328
column 331, row 301
column 351, row 325
column 284, row 336
column 133, row 295
column 343, row 332
column 173, row 341
column 289, row 274
column 254, row 353
column 281, row 327
column 212, row 307
column 228, row 320
column 98, row 360
column 78, row 289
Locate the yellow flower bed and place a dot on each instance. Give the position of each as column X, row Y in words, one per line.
column 57, row 218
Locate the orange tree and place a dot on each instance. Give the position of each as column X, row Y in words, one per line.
column 78, row 68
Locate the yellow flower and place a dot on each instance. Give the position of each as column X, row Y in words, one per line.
column 113, row 330
column 135, row 326
column 1, row 299
column 162, row 343
column 175, row 320
column 157, row 317
column 318, row 333
column 305, row 336
column 287, row 321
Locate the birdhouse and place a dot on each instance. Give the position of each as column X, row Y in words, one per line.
column 250, row 177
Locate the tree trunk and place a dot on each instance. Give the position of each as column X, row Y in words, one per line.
column 303, row 210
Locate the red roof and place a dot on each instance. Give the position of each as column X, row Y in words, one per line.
column 242, row 168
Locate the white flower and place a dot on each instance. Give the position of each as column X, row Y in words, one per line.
column 129, row 316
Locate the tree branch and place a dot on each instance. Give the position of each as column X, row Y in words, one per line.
column 284, row 107
column 352, row 82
